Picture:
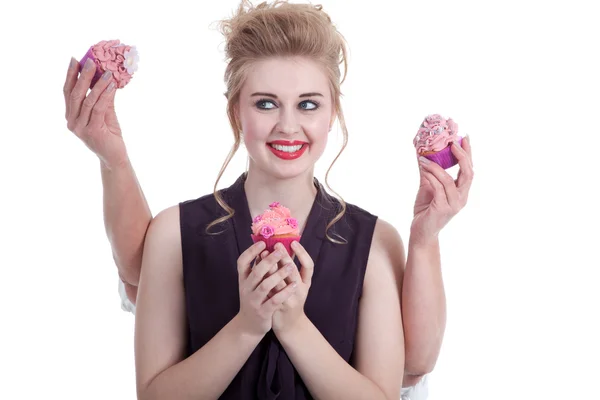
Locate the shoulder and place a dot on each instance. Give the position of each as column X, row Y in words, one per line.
column 197, row 213
column 386, row 255
column 386, row 238
column 207, row 201
column 355, row 220
column 165, row 224
column 163, row 239
column 354, row 211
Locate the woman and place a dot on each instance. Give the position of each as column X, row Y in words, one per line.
column 215, row 316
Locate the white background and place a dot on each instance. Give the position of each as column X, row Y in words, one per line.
column 520, row 261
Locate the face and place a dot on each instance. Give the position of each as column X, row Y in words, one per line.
column 286, row 111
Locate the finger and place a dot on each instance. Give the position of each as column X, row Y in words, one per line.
column 260, row 257
column 460, row 154
column 87, row 108
column 282, row 284
column 272, row 304
column 466, row 145
column 465, row 174
column 286, row 260
column 79, row 91
column 259, row 271
column 439, row 195
column 70, row 83
column 246, row 258
column 308, row 266
column 273, row 269
column 99, row 110
column 422, row 179
column 267, row 285
column 447, row 182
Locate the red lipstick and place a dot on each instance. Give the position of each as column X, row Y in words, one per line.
column 285, row 155
column 287, row 142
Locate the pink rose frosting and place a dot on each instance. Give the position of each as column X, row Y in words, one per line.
column 435, row 134
column 278, row 219
column 120, row 59
column 267, row 231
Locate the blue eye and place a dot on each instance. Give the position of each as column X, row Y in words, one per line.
column 304, row 105
column 260, row 104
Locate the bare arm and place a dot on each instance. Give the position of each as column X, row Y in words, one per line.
column 162, row 371
column 379, row 346
column 439, row 199
column 92, row 118
column 423, row 309
column 126, row 219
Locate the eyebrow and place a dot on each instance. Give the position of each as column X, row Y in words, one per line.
column 311, row 94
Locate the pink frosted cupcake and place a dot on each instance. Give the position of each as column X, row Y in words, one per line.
column 276, row 225
column 111, row 55
column 434, row 140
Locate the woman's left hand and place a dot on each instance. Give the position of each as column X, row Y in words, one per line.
column 440, row 197
column 292, row 310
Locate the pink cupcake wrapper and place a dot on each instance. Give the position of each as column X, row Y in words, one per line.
column 444, row 158
column 99, row 70
column 270, row 242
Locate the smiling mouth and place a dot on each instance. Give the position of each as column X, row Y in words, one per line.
column 287, row 149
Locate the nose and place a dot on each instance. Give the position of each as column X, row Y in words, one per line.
column 288, row 123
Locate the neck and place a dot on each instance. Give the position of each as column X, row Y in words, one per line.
column 297, row 193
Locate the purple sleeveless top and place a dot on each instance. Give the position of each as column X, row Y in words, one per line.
column 211, row 284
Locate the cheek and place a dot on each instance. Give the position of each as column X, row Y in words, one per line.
column 256, row 126
column 318, row 130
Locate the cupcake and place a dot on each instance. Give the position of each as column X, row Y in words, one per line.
column 276, row 225
column 434, row 140
column 111, row 55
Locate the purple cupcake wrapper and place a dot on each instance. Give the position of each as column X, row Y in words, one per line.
column 272, row 241
column 444, row 158
column 99, row 71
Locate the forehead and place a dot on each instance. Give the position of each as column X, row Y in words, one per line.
column 286, row 77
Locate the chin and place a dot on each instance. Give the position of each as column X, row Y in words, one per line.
column 285, row 170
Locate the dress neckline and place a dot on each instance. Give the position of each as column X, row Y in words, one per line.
column 313, row 234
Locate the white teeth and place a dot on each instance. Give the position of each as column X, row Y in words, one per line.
column 287, row 149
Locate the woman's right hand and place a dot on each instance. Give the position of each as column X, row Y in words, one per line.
column 92, row 118
column 256, row 304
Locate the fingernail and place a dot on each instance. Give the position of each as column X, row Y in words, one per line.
column 72, row 63
column 278, row 253
column 294, row 285
column 423, row 160
column 294, row 245
column 110, row 87
column 88, row 64
column 288, row 268
column 106, row 75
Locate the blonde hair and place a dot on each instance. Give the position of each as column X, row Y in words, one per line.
column 280, row 29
